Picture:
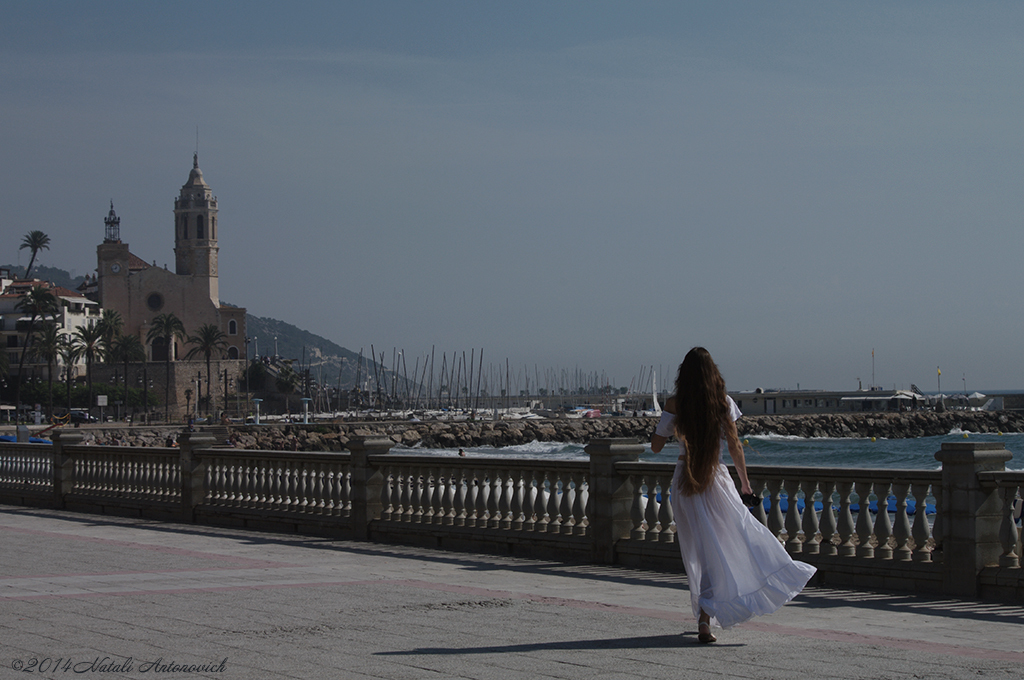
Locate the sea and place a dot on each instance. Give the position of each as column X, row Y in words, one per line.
column 911, row 454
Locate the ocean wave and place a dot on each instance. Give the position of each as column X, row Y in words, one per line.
column 771, row 436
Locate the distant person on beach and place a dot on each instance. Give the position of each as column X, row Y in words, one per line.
column 462, row 453
column 735, row 567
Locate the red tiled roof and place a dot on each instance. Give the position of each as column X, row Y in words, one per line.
column 135, row 263
column 66, row 292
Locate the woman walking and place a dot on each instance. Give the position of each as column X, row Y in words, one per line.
column 735, row 567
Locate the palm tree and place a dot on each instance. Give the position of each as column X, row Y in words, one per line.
column 110, row 325
column 208, row 340
column 69, row 354
column 47, row 348
column 34, row 241
column 37, row 302
column 166, row 327
column 90, row 342
column 127, row 349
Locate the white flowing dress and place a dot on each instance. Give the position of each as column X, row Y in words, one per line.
column 736, row 568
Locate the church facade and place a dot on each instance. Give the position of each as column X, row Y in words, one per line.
column 140, row 291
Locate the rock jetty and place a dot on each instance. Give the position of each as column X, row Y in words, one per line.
column 454, row 434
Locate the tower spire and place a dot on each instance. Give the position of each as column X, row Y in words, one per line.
column 113, row 226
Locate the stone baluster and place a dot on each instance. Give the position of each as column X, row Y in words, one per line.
column 519, row 482
column 1009, row 559
column 495, row 490
column 793, row 543
column 865, row 526
column 472, row 492
column 261, row 483
column 540, row 508
column 408, row 493
column 319, row 488
column 847, row 547
column 398, row 494
column 554, row 503
column 901, row 529
column 776, row 521
column 507, row 490
column 920, row 531
column 809, row 519
column 459, row 504
column 238, row 482
column 638, row 509
column 303, row 476
column 346, row 491
column 451, row 480
column 482, row 498
column 334, row 481
column 581, row 505
column 133, row 482
column 532, row 487
column 429, row 493
column 651, row 510
column 883, row 525
column 827, row 524
column 665, row 514
column 565, row 504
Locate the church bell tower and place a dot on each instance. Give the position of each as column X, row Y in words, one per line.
column 195, row 228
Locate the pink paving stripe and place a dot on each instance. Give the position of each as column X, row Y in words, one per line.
column 236, row 562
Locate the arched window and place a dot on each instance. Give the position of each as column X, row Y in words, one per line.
column 232, row 327
column 232, row 352
column 213, row 228
column 199, row 227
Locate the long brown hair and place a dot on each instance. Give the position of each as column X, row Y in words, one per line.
column 702, row 415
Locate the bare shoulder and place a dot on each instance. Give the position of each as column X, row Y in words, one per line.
column 670, row 405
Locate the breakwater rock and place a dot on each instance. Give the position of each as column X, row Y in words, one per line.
column 443, row 434
column 887, row 425
column 455, row 434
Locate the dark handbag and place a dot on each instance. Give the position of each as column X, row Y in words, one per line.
column 750, row 499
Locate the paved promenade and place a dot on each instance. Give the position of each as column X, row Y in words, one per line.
column 108, row 597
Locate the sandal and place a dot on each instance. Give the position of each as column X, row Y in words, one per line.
column 704, row 634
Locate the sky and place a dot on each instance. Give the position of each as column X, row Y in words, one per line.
column 826, row 195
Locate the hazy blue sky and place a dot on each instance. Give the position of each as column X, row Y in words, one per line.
column 565, row 184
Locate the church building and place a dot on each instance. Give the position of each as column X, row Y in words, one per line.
column 140, row 291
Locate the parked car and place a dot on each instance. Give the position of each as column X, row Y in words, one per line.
column 81, row 417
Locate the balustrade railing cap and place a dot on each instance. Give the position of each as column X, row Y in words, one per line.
column 968, row 452
column 619, row 447
column 67, row 437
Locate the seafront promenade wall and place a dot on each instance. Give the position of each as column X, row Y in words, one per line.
column 949, row 531
column 452, row 434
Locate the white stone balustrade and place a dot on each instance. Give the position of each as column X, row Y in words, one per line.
column 610, row 509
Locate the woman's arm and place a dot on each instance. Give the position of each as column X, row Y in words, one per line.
column 658, row 441
column 738, row 459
